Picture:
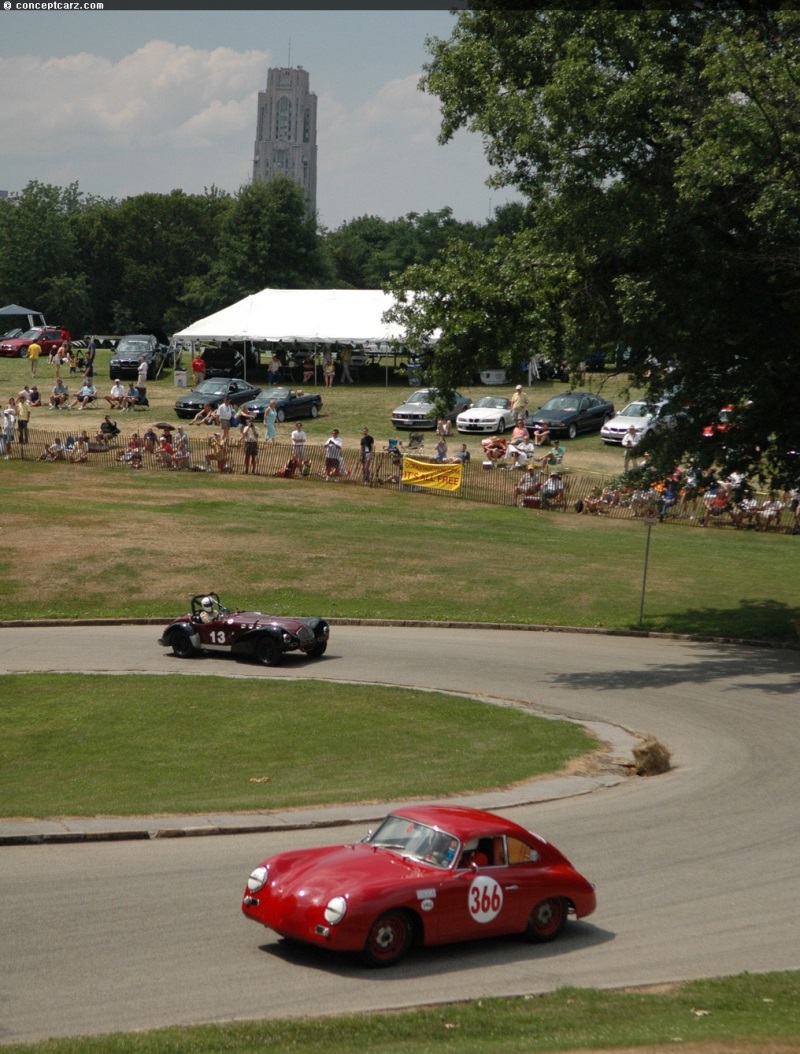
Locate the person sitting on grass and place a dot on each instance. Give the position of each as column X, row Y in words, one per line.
column 206, row 416
column 80, row 449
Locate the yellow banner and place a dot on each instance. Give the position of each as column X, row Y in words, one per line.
column 426, row 474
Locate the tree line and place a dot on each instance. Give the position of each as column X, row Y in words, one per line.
column 161, row 261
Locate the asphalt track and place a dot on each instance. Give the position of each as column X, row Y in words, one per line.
column 696, row 870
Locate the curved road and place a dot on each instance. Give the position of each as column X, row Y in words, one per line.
column 696, row 870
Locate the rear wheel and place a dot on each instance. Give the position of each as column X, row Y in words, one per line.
column 546, row 920
column 388, row 940
column 281, row 414
column 314, row 410
column 182, row 646
column 268, row 652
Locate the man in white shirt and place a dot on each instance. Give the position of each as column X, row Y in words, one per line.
column 117, row 398
column 224, row 415
column 298, row 441
column 141, row 379
column 86, row 395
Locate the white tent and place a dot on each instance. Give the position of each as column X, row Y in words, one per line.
column 318, row 316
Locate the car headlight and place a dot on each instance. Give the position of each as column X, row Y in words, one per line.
column 257, row 879
column 287, row 638
column 335, row 910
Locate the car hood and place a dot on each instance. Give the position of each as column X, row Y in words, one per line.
column 485, row 411
column 414, row 408
column 626, row 422
column 347, row 869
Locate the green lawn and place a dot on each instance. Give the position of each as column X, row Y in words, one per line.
column 133, row 745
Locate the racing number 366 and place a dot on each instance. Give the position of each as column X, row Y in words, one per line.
column 485, row 898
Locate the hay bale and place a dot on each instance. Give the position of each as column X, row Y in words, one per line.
column 651, row 757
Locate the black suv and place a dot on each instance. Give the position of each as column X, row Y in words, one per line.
column 128, row 352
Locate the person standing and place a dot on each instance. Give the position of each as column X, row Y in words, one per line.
column 88, row 359
column 141, row 374
column 519, row 402
column 199, row 368
column 225, row 415
column 9, row 420
column 250, row 441
column 367, row 451
column 333, row 456
column 34, row 351
column 298, row 438
column 629, row 441
column 270, row 421
column 346, row 355
column 23, row 417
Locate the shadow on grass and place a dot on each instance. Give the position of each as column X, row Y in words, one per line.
column 769, row 620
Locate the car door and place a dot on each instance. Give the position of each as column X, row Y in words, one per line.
column 479, row 901
column 216, row 635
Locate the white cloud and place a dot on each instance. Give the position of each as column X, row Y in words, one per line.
column 168, row 116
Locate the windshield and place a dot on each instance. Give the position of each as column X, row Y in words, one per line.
column 132, row 347
column 31, row 334
column 634, row 410
column 421, row 397
column 273, row 393
column 492, row 403
column 561, row 402
column 417, row 841
column 212, row 387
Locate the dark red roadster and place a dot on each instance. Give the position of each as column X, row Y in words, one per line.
column 209, row 628
column 428, row 875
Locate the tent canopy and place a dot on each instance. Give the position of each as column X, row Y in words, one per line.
column 15, row 309
column 319, row 316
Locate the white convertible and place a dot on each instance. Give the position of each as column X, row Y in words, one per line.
column 491, row 414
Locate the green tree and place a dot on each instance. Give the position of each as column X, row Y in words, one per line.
column 656, row 151
column 38, row 253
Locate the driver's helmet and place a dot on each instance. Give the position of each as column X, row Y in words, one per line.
column 207, row 604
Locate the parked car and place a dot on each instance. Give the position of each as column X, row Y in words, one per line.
column 49, row 338
column 129, row 351
column 419, row 410
column 428, row 875
column 288, row 402
column 228, row 360
column 645, row 417
column 491, row 413
column 212, row 629
column 573, row 412
column 212, row 391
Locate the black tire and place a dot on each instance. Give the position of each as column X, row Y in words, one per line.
column 314, row 410
column 23, row 353
column 268, row 651
column 390, row 937
column 318, row 650
column 546, row 920
column 501, row 425
column 281, row 415
column 182, row 646
column 572, row 431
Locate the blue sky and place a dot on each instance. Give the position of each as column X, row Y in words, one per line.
column 124, row 102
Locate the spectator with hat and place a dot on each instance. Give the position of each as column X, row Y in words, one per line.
column 519, row 402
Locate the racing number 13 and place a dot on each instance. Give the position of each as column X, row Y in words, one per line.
column 217, row 636
column 485, row 898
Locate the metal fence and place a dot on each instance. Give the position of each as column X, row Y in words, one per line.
column 558, row 490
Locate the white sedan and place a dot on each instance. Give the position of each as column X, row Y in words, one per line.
column 491, row 414
column 643, row 416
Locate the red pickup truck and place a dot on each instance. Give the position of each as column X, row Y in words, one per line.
column 47, row 337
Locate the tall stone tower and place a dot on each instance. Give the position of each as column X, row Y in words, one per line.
column 286, row 132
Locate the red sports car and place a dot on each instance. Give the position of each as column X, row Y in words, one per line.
column 428, row 875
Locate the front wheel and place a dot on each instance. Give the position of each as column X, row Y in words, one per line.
column 268, row 652
column 23, row 353
column 501, row 425
column 572, row 431
column 388, row 940
column 547, row 919
column 318, row 650
column 182, row 646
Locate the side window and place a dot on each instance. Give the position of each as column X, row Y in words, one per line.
column 520, row 852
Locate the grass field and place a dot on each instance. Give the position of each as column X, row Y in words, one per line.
column 103, row 544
